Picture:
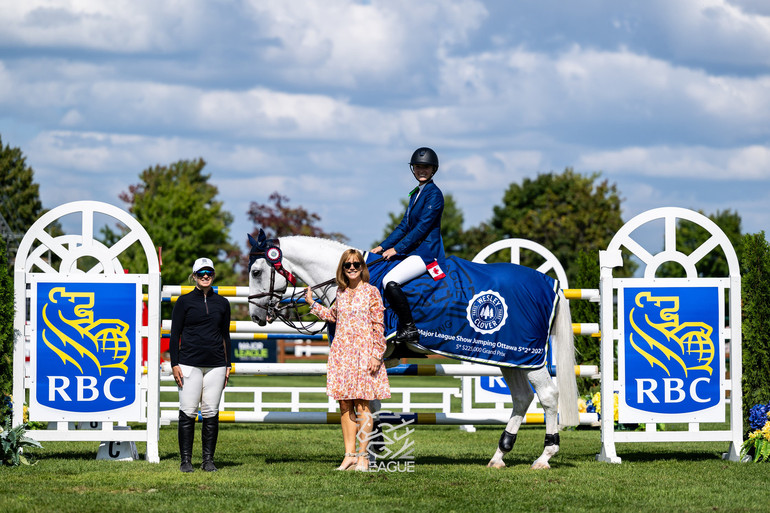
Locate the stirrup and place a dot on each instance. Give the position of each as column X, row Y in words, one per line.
column 408, row 334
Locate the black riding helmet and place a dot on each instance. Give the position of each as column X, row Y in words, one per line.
column 425, row 156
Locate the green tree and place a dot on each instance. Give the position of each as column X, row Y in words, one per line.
column 278, row 219
column 756, row 322
column 479, row 237
column 6, row 324
column 177, row 206
column 690, row 236
column 451, row 227
column 566, row 213
column 20, row 204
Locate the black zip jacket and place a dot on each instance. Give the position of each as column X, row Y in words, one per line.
column 200, row 330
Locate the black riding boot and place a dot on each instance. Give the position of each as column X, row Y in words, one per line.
column 186, row 433
column 407, row 331
column 209, row 433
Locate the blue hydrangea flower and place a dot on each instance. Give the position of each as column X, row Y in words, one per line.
column 758, row 416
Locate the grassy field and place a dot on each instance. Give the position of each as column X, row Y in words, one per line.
column 291, row 468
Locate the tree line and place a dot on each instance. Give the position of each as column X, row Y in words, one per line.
column 571, row 214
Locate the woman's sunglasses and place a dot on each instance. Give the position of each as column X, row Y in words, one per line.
column 348, row 265
column 204, row 274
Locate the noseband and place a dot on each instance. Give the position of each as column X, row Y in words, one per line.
column 270, row 250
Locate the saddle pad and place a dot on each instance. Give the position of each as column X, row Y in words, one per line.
column 500, row 314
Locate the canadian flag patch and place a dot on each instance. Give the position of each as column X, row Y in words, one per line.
column 435, row 271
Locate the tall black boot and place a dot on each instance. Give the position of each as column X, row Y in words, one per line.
column 407, row 331
column 186, row 433
column 209, row 433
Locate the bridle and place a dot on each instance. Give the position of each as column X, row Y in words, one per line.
column 277, row 307
column 270, row 250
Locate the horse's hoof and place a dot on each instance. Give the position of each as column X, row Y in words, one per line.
column 540, row 465
column 496, row 464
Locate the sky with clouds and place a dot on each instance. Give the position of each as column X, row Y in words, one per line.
column 324, row 101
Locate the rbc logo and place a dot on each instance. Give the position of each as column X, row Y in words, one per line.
column 495, row 385
column 487, row 312
column 672, row 364
column 86, row 360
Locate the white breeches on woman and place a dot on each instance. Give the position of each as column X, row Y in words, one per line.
column 202, row 386
column 408, row 269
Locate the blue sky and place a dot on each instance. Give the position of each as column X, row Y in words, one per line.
column 324, row 101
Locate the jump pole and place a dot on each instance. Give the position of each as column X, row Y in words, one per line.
column 419, row 418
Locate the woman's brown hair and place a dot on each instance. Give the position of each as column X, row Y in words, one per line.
column 342, row 279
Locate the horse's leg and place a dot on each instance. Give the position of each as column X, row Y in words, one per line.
column 522, row 396
column 548, row 395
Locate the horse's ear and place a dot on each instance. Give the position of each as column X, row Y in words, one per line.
column 252, row 241
column 262, row 238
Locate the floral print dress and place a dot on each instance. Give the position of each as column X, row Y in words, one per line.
column 359, row 316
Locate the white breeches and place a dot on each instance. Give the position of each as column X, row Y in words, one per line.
column 410, row 268
column 202, row 386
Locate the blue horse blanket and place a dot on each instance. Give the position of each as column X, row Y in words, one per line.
column 500, row 314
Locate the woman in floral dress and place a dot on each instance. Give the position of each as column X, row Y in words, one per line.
column 355, row 374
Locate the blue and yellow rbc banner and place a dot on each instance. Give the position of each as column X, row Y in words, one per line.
column 86, row 347
column 671, row 363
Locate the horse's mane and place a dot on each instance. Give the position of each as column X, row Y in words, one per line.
column 342, row 245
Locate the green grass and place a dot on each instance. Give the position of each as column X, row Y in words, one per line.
column 290, row 468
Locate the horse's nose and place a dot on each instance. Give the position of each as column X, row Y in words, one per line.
column 259, row 321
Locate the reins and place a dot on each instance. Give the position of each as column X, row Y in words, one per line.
column 279, row 307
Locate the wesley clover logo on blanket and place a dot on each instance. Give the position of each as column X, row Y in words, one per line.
column 487, row 312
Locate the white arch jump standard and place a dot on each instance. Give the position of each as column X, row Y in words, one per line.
column 613, row 337
column 34, row 266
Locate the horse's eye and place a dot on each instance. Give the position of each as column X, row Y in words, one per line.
column 255, row 273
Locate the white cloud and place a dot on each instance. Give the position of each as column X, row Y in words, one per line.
column 734, row 36
column 753, row 6
column 348, row 43
column 119, row 26
column 325, row 101
column 697, row 163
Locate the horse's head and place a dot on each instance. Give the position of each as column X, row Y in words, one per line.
column 268, row 279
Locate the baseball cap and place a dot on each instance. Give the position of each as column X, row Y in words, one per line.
column 202, row 263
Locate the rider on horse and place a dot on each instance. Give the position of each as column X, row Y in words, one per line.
column 416, row 241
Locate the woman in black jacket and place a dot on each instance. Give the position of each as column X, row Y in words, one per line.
column 200, row 361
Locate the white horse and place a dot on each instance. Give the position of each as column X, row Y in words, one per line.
column 315, row 261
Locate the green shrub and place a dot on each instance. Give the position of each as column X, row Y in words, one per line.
column 12, row 444
column 586, row 347
column 6, row 323
column 755, row 266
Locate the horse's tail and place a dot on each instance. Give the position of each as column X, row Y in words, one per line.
column 565, row 364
